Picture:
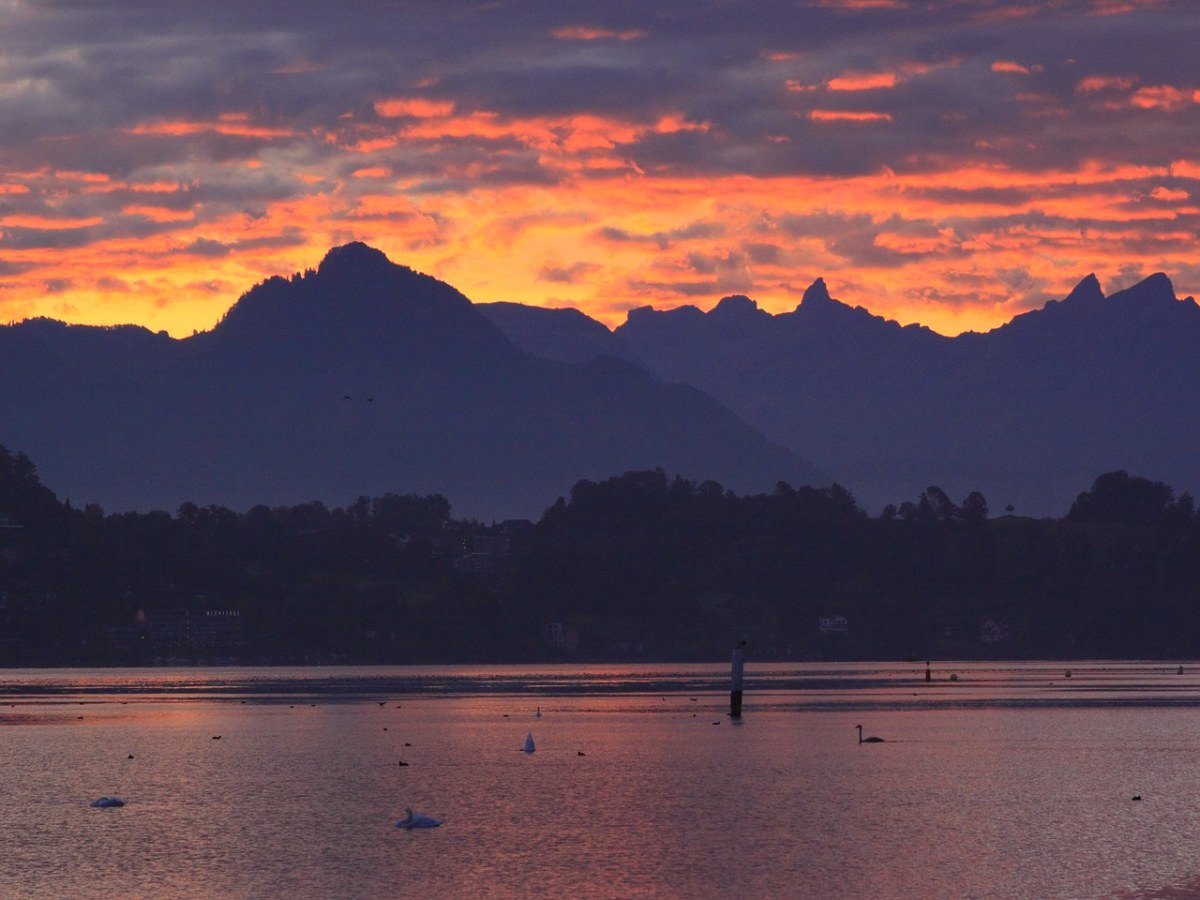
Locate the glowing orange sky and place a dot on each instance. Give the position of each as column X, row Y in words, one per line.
column 952, row 166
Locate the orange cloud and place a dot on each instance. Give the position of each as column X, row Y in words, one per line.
column 864, row 4
column 86, row 177
column 560, row 136
column 589, row 33
column 1095, row 83
column 233, row 125
column 1164, row 97
column 863, row 81
column 1120, row 7
column 413, row 107
column 1005, row 65
column 1168, row 195
column 833, row 115
column 158, row 213
column 49, row 223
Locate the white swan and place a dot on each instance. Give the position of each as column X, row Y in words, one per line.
column 529, row 745
column 417, row 820
column 105, row 802
column 867, row 740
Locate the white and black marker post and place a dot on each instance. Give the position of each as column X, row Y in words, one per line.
column 735, row 682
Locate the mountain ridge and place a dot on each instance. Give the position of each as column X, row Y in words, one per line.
column 357, row 378
column 1026, row 412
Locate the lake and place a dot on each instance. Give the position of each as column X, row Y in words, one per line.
column 993, row 780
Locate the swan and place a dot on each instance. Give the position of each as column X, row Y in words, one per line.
column 417, row 820
column 867, row 740
column 105, row 802
column 529, row 745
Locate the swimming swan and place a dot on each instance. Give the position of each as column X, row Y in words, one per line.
column 867, row 740
column 105, row 802
column 417, row 820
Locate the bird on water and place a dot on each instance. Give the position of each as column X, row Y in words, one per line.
column 867, row 740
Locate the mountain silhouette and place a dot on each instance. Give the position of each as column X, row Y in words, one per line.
column 358, row 378
column 1028, row 413
column 566, row 335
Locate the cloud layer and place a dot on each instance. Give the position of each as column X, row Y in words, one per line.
column 951, row 163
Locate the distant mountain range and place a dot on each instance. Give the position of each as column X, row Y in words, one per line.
column 364, row 377
column 1028, row 414
column 359, row 378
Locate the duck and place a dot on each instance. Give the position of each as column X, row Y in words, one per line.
column 107, row 802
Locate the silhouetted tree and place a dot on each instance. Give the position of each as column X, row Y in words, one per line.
column 938, row 505
column 1120, row 497
column 974, row 508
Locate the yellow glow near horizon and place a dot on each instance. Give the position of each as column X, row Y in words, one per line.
column 937, row 247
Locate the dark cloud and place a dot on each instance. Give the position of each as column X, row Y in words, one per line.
column 213, row 249
column 718, row 64
column 113, row 285
column 645, row 287
column 762, row 253
column 663, row 239
column 8, row 267
column 571, row 274
column 856, row 238
column 951, row 196
column 45, row 238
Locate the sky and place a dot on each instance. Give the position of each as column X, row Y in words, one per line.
column 952, row 163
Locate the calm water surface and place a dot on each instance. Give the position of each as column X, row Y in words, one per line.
column 1011, row 781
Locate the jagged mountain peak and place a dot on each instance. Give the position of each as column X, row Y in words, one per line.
column 354, row 257
column 735, row 305
column 1153, row 289
column 355, row 288
column 1087, row 291
column 817, row 294
column 1150, row 303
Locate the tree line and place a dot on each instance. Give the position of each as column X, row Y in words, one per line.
column 639, row 566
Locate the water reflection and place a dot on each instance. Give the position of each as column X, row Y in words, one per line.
column 797, row 686
column 1009, row 781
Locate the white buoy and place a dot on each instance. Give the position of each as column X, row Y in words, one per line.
column 529, row 746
